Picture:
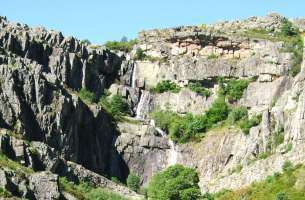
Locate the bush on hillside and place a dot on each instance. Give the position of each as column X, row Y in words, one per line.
column 116, row 105
column 234, row 89
column 176, row 182
column 166, row 86
column 199, row 89
column 246, row 124
column 121, row 46
column 87, row 96
column 133, row 182
column 237, row 114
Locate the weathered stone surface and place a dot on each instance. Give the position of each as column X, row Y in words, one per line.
column 80, row 173
column 44, row 185
column 41, row 71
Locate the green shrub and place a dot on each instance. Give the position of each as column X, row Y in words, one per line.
column 246, row 124
column 295, row 45
column 199, row 89
column 281, row 196
column 218, row 112
column 288, row 29
column 176, row 182
column 182, row 129
column 278, row 138
column 163, row 119
column 185, row 128
column 212, row 56
column 87, row 96
column 237, row 114
column 207, row 196
column 116, row 180
column 287, row 166
column 133, row 182
column 85, row 42
column 117, row 106
column 121, row 46
column 4, row 193
column 165, row 86
column 84, row 191
column 234, row 89
column 140, row 55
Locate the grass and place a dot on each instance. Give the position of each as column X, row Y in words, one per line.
column 233, row 89
column 4, row 193
column 199, row 89
column 247, row 123
column 290, row 184
column 14, row 166
column 87, row 96
column 212, row 56
column 116, row 106
column 140, row 55
column 84, row 191
column 166, row 86
column 125, row 46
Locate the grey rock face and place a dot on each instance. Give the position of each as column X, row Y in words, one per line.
column 40, row 73
column 80, row 173
column 142, row 148
column 45, row 186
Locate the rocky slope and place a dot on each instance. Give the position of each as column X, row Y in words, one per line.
column 48, row 128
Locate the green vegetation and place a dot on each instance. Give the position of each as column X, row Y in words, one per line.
column 85, row 42
column 246, row 124
column 237, row 114
column 15, row 166
column 140, row 55
column 288, row 185
column 4, row 193
column 182, row 129
column 87, row 96
column 233, row 89
column 198, row 88
column 125, row 46
column 133, row 182
column 165, row 86
column 176, row 182
column 115, row 105
column 288, row 29
column 212, row 56
column 84, row 191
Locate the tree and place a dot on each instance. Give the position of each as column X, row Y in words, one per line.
column 85, row 42
column 288, row 29
column 176, row 182
column 281, row 196
column 133, row 182
column 124, row 39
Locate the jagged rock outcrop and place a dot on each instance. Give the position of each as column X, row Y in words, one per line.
column 40, row 72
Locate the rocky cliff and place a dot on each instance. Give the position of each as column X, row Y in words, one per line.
column 51, row 131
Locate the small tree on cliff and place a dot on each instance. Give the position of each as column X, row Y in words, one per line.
column 176, row 182
column 133, row 182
